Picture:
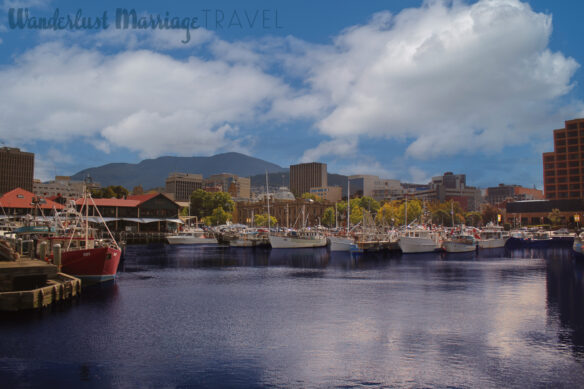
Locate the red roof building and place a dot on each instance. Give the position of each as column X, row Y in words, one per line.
column 20, row 202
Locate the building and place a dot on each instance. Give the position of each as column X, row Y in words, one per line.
column 16, row 169
column 329, row 193
column 153, row 212
column 536, row 212
column 62, row 186
column 447, row 187
column 22, row 202
column 287, row 212
column 180, row 186
column 237, row 187
column 563, row 168
column 307, row 175
column 499, row 194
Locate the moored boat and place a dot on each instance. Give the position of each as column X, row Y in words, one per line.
column 298, row 239
column 191, row 236
column 460, row 243
column 419, row 241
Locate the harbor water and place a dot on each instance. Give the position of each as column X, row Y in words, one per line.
column 209, row 316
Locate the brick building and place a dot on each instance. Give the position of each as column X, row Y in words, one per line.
column 307, row 175
column 16, row 169
column 563, row 168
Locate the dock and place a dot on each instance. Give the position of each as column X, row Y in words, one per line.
column 27, row 283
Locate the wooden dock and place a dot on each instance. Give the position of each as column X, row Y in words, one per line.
column 30, row 284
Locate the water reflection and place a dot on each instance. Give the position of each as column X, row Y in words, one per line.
column 565, row 297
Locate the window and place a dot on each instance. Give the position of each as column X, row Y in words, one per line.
column 574, row 186
column 574, row 179
column 562, row 165
column 551, row 187
column 560, row 134
column 572, row 126
column 573, row 149
column 574, row 163
column 573, row 141
column 549, row 158
column 573, row 156
column 560, row 143
column 560, row 187
column 574, row 194
column 561, row 150
column 574, row 171
column 550, row 181
column 562, row 179
column 562, row 172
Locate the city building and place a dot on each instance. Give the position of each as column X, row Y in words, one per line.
column 237, row 187
column 447, row 187
column 62, row 186
column 329, row 193
column 180, row 186
column 504, row 193
column 16, row 169
column 563, row 176
column 307, row 175
column 378, row 188
column 22, row 202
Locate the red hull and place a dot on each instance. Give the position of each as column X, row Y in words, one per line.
column 98, row 264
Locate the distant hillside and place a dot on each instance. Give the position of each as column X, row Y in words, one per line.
column 152, row 173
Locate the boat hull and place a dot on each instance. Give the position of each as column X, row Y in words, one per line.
column 577, row 246
column 340, row 244
column 91, row 265
column 287, row 242
column 457, row 247
column 492, row 243
column 409, row 245
column 190, row 240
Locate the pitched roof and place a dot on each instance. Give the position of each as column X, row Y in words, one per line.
column 20, row 198
column 110, row 202
column 143, row 197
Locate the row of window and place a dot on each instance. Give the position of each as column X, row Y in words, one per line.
column 562, row 172
column 563, row 195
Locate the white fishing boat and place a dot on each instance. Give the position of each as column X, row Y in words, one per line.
column 191, row 236
column 578, row 246
column 460, row 243
column 492, row 238
column 419, row 241
column 298, row 239
column 340, row 243
column 250, row 238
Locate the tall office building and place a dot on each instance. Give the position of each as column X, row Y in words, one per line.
column 563, row 169
column 16, row 169
column 182, row 185
column 307, row 175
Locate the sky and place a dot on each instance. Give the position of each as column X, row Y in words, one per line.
column 399, row 89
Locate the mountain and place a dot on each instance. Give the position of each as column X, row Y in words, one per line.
column 152, row 173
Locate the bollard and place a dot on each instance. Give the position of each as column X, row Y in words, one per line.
column 19, row 246
column 57, row 255
column 43, row 251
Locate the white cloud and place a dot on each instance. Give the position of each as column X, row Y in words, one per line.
column 145, row 101
column 418, row 176
column 448, row 76
column 347, row 147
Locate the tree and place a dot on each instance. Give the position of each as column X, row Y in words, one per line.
column 204, row 203
column 388, row 214
column 328, row 217
column 109, row 192
column 261, row 220
column 555, row 217
column 138, row 190
column 473, row 218
column 369, row 204
column 414, row 211
column 218, row 216
column 356, row 214
column 310, row 196
column 490, row 213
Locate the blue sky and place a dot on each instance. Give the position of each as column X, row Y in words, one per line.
column 400, row 89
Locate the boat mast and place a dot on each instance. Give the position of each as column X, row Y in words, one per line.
column 406, row 219
column 348, row 204
column 268, row 199
column 336, row 217
column 86, row 216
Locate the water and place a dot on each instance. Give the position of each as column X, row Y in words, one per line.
column 217, row 317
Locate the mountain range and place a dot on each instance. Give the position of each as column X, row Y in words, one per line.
column 152, row 173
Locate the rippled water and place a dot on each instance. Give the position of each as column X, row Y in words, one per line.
column 187, row 316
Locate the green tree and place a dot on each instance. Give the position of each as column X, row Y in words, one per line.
column 388, row 214
column 555, row 217
column 356, row 214
column 414, row 211
column 112, row 191
column 204, row 203
column 369, row 204
column 473, row 218
column 328, row 217
column 218, row 216
column 310, row 196
column 261, row 220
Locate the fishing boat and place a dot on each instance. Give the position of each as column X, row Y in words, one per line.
column 250, row 238
column 492, row 237
column 578, row 245
column 302, row 238
column 460, row 243
column 419, row 240
column 191, row 236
